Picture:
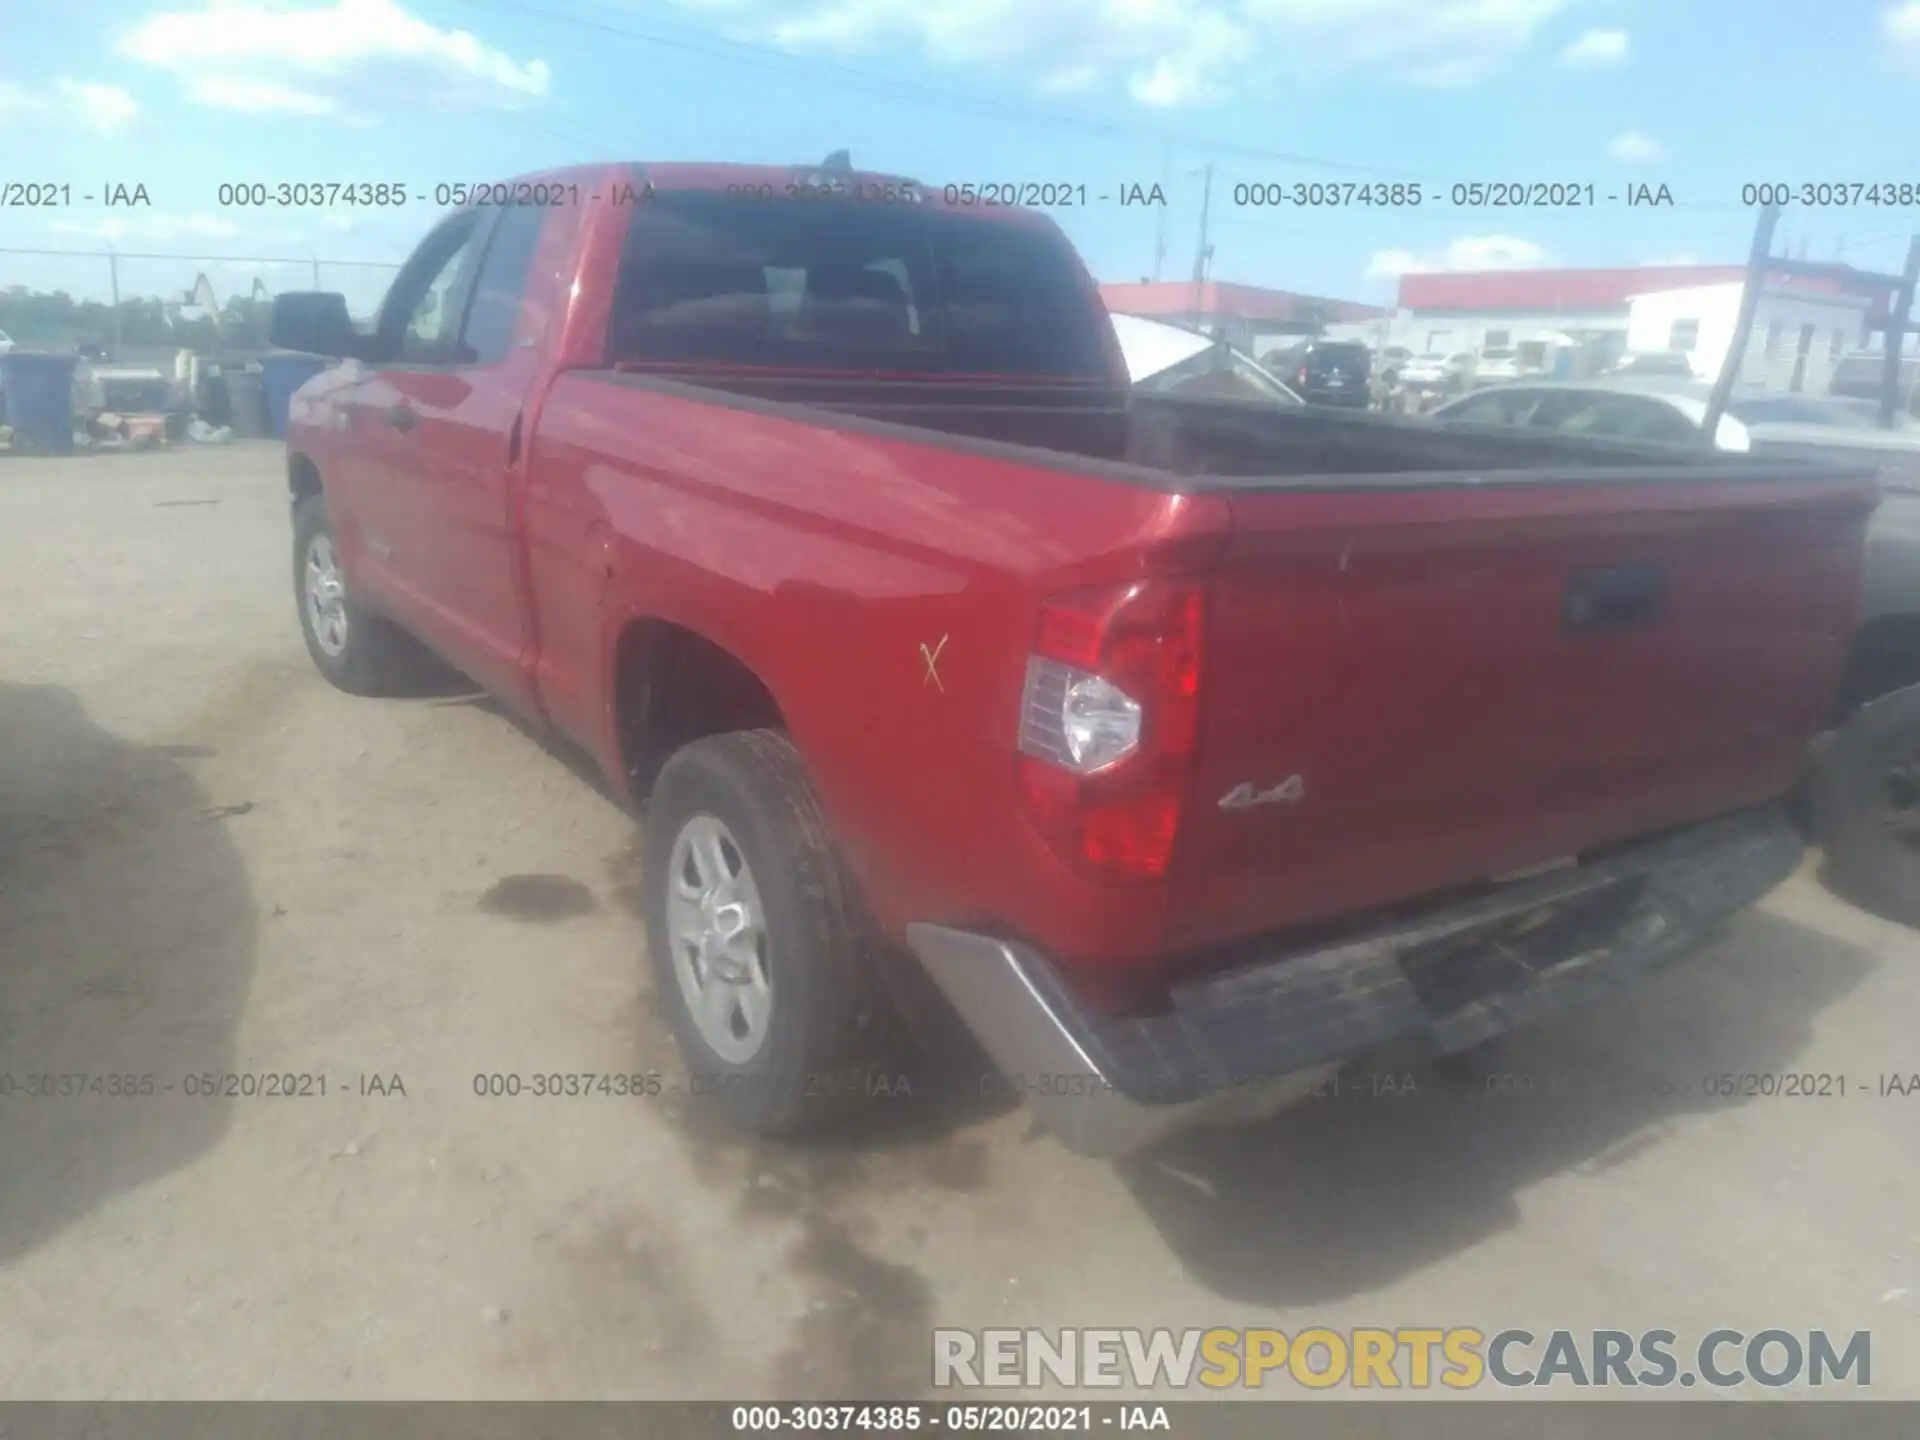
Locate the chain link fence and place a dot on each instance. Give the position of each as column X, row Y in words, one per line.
column 66, row 299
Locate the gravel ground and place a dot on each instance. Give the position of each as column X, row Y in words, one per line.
column 212, row 863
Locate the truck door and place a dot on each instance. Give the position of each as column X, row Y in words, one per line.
column 380, row 471
column 467, row 426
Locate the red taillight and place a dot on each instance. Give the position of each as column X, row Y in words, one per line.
column 1109, row 724
column 1301, row 378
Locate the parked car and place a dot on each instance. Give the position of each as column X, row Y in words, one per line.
column 1327, row 372
column 957, row 676
column 1437, row 370
column 1655, row 363
column 1668, row 411
column 1655, row 410
column 1496, row 366
column 1171, row 359
column 1859, row 376
column 1868, row 842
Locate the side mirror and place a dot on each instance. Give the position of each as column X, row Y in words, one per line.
column 313, row 321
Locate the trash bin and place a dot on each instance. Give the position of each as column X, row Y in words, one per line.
column 39, row 387
column 247, row 404
column 285, row 371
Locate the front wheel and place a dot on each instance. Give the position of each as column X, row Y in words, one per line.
column 762, row 958
column 357, row 652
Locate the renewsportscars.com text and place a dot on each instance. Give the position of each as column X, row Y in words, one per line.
column 1458, row 1358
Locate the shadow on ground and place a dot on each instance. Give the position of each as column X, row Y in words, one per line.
column 1345, row 1194
column 127, row 944
column 1850, row 891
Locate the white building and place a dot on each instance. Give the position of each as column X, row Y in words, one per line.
column 1540, row 311
column 1798, row 335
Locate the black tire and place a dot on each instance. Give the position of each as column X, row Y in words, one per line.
column 377, row 658
column 1855, row 798
column 830, row 1028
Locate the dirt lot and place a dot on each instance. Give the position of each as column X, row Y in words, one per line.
column 212, row 863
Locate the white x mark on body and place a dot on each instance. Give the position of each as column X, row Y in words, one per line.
column 932, row 657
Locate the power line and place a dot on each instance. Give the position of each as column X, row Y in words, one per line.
column 1018, row 111
column 203, row 259
column 1870, row 240
column 1021, row 112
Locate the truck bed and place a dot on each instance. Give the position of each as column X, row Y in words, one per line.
column 1387, row 619
column 1180, row 442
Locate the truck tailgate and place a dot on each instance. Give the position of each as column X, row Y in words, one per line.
column 1474, row 679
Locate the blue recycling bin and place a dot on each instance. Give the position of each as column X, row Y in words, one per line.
column 39, row 389
column 283, row 372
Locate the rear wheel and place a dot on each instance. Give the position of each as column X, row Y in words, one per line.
column 357, row 652
column 762, row 958
column 1866, row 806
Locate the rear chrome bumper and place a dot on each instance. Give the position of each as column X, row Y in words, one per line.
column 1237, row 1044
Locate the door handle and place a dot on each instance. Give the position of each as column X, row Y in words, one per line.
column 402, row 417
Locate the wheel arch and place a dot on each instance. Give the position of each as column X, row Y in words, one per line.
column 672, row 685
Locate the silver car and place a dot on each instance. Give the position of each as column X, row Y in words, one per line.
column 1815, row 427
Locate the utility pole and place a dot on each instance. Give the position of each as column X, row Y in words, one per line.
column 113, row 285
column 1160, row 223
column 1204, row 251
column 316, row 272
column 1742, row 326
column 1897, row 318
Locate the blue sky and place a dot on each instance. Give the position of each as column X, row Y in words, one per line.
column 1701, row 95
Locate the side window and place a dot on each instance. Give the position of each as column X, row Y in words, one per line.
column 1665, row 424
column 1503, row 406
column 430, row 327
column 494, row 315
column 1620, row 417
column 421, row 313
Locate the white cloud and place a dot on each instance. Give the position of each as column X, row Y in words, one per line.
column 1470, row 252
column 1681, row 257
column 1634, row 148
column 103, row 109
column 1901, row 25
column 1594, row 49
column 149, row 227
column 1163, row 52
column 256, row 97
column 1070, row 78
column 267, row 57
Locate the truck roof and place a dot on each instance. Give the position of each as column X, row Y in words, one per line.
column 715, row 175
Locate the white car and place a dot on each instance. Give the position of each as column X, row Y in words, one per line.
column 1666, row 411
column 1391, row 362
column 1496, row 366
column 1655, row 362
column 1435, row 369
column 1172, row 358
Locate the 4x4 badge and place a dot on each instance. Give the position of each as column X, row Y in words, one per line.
column 1246, row 796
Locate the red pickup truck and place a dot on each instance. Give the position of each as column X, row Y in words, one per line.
column 1188, row 746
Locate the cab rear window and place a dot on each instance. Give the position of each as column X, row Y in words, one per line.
column 712, row 279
